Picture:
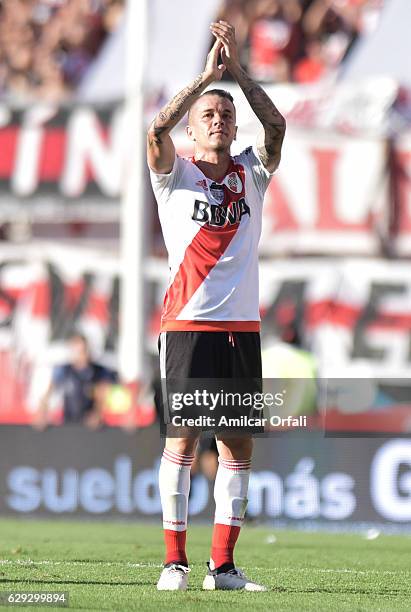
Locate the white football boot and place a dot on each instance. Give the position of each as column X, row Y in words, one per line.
column 174, row 577
column 232, row 580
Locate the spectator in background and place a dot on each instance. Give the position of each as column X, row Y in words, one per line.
column 312, row 66
column 330, row 28
column 275, row 39
column 47, row 45
column 297, row 40
column 83, row 384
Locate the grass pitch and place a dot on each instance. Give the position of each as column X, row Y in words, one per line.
column 112, row 566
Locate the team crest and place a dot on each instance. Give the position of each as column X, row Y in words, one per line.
column 234, row 182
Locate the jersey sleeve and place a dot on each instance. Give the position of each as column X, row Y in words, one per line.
column 251, row 160
column 164, row 184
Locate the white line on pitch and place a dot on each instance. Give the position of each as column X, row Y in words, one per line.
column 147, row 565
column 51, row 562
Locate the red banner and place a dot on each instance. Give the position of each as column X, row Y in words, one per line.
column 333, row 193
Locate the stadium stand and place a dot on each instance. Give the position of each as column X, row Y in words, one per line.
column 46, row 46
column 298, row 40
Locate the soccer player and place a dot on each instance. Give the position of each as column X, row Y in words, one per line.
column 210, row 209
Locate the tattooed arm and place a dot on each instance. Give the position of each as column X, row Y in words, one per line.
column 271, row 138
column 160, row 147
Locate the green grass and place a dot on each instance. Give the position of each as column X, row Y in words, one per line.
column 112, row 566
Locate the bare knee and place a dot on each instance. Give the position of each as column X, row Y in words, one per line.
column 182, row 446
column 235, row 448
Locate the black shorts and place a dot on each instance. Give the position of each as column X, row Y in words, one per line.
column 208, row 354
column 223, row 362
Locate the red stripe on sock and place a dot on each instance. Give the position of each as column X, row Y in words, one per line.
column 235, row 467
column 178, row 459
column 235, row 461
column 175, row 542
column 223, row 542
column 177, row 462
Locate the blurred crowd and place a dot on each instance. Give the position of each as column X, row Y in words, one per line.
column 298, row 40
column 47, row 45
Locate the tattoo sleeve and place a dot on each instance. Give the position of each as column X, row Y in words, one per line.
column 175, row 110
column 270, row 143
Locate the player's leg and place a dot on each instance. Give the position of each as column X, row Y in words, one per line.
column 235, row 451
column 174, row 476
column 230, row 494
column 232, row 479
column 174, row 484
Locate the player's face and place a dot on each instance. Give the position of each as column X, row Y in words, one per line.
column 212, row 123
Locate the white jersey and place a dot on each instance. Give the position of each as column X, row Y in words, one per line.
column 211, row 230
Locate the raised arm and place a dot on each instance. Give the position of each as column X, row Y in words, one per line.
column 271, row 137
column 160, row 147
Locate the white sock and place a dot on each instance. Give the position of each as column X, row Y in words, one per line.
column 174, row 483
column 230, row 491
